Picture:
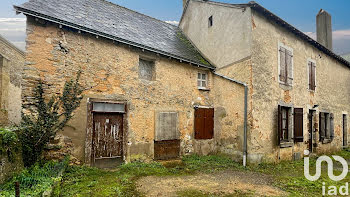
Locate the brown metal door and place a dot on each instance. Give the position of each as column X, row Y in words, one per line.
column 107, row 135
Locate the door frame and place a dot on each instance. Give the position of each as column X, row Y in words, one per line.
column 345, row 130
column 90, row 127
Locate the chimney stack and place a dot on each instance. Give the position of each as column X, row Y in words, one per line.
column 324, row 29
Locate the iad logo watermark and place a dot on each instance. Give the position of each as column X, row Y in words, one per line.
column 332, row 190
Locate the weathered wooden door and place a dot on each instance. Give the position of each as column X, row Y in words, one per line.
column 107, row 136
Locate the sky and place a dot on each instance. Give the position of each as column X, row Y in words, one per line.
column 299, row 13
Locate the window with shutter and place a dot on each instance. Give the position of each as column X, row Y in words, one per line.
column 204, row 123
column 298, row 125
column 312, row 75
column 285, row 65
column 166, row 126
column 326, row 127
column 285, row 131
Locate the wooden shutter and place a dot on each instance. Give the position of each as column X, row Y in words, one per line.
column 289, row 65
column 322, row 126
column 328, row 125
column 313, row 73
column 331, row 125
column 279, row 123
column 166, row 126
column 204, row 123
column 310, row 75
column 283, row 69
column 298, row 125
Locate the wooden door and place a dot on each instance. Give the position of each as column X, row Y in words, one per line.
column 345, row 130
column 107, row 136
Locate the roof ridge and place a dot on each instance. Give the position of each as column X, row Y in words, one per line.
column 114, row 4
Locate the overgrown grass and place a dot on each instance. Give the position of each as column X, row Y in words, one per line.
column 35, row 180
column 287, row 175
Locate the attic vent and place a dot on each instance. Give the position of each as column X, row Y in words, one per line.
column 210, row 21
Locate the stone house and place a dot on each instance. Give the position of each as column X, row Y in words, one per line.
column 298, row 88
column 218, row 83
column 147, row 86
column 11, row 64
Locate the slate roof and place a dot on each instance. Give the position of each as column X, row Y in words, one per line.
column 115, row 22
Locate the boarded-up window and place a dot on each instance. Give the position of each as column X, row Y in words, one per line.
column 312, row 75
column 326, row 127
column 166, row 126
column 285, row 66
column 298, row 125
column 146, row 70
column 204, row 123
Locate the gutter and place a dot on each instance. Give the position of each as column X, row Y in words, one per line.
column 107, row 36
column 245, row 145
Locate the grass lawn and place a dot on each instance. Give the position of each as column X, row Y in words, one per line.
column 287, row 175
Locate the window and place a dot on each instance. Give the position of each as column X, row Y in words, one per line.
column 146, row 69
column 312, row 75
column 204, row 123
column 298, row 125
column 166, row 126
column 285, row 65
column 202, row 80
column 210, row 21
column 285, row 118
column 326, row 127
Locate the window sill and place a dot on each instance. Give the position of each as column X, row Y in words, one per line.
column 286, row 144
column 326, row 141
column 203, row 89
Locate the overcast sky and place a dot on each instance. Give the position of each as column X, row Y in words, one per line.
column 299, row 13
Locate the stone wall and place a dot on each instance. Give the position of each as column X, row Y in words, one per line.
column 11, row 64
column 332, row 92
column 110, row 71
column 228, row 40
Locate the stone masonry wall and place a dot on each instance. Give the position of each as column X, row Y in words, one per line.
column 332, row 91
column 110, row 71
column 12, row 60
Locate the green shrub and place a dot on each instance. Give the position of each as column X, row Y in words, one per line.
column 36, row 179
column 8, row 143
column 46, row 118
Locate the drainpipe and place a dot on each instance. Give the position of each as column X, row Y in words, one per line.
column 245, row 146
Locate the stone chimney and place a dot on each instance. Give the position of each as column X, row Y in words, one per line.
column 324, row 29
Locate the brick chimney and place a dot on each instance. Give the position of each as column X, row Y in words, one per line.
column 324, row 29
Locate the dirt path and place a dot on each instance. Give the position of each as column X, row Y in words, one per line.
column 221, row 183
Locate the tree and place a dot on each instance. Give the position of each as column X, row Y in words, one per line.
column 47, row 117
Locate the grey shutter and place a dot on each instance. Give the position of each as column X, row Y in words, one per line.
column 328, row 126
column 289, row 63
column 166, row 126
column 332, row 126
column 283, row 70
column 322, row 126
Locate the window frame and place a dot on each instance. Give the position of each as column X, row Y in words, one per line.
column 153, row 65
column 289, row 141
column 285, row 110
column 201, row 80
column 279, row 65
column 329, row 129
column 308, row 74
